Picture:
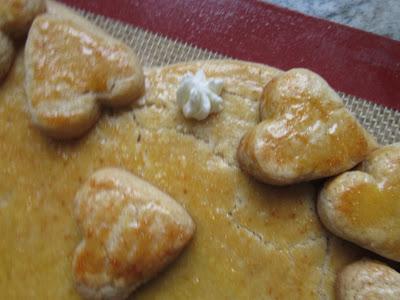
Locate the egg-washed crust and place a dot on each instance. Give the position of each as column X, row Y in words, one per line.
column 305, row 133
column 368, row 279
column 252, row 241
column 72, row 69
column 363, row 206
column 16, row 16
column 131, row 231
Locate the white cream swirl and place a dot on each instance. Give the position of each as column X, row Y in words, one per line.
column 198, row 97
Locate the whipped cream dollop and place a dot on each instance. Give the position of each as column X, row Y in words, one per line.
column 198, row 97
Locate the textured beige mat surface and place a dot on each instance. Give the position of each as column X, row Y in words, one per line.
column 156, row 50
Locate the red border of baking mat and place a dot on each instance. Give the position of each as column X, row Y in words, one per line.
column 353, row 61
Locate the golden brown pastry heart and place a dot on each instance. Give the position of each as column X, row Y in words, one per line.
column 16, row 17
column 306, row 132
column 363, row 206
column 131, row 231
column 73, row 67
column 368, row 279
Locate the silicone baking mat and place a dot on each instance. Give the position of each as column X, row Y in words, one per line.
column 155, row 49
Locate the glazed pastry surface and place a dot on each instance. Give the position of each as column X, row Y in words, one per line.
column 252, row 241
column 368, row 279
column 363, row 206
column 305, row 132
column 16, row 16
column 72, row 69
column 131, row 231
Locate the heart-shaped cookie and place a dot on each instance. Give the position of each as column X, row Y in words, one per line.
column 16, row 17
column 131, row 231
column 305, row 133
column 363, row 206
column 72, row 68
column 368, row 279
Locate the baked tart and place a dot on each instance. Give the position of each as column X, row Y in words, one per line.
column 229, row 235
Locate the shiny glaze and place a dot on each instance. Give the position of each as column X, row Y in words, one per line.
column 131, row 231
column 363, row 206
column 367, row 205
column 305, row 133
column 73, row 68
column 252, row 241
column 16, row 16
column 71, row 61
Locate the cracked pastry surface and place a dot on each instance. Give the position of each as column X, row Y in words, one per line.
column 368, row 279
column 131, row 231
column 72, row 69
column 252, row 241
column 305, row 132
column 363, row 206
